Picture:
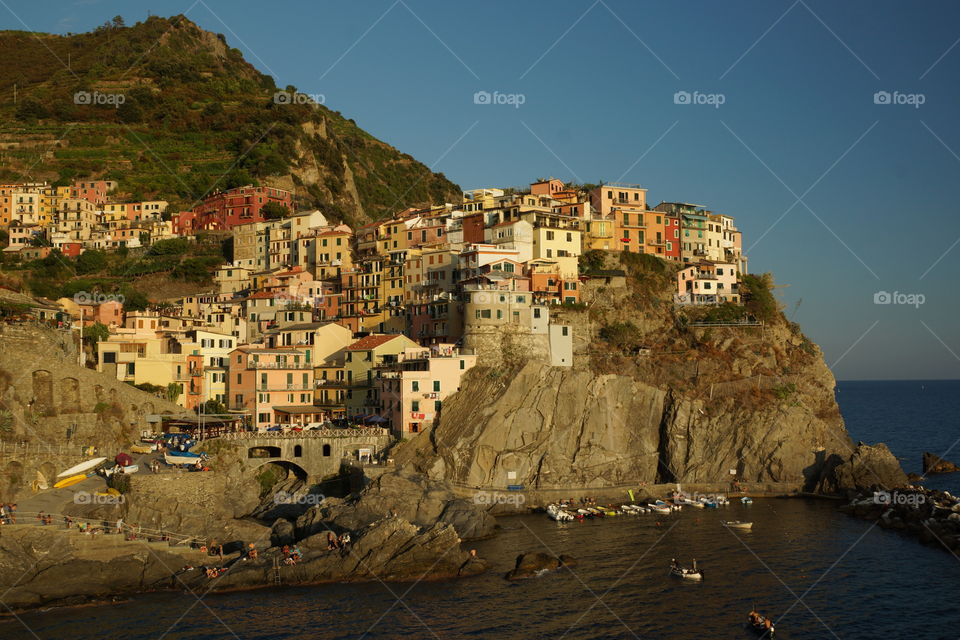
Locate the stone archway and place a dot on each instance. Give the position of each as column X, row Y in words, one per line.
column 49, row 472
column 12, row 480
column 263, row 452
column 42, row 392
column 69, row 395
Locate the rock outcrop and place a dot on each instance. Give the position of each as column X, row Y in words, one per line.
column 653, row 397
column 45, row 566
column 936, row 464
column 405, row 494
column 867, row 468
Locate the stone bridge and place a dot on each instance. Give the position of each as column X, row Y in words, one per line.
column 312, row 454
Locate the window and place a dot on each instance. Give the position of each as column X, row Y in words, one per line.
column 415, row 385
column 436, row 385
column 436, row 406
column 549, row 235
column 463, row 365
column 536, row 313
column 326, row 451
column 415, row 405
column 109, row 357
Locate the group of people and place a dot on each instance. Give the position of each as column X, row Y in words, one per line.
column 758, row 620
column 291, row 555
column 8, row 513
column 337, row 543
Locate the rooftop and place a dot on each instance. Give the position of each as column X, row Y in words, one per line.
column 371, row 342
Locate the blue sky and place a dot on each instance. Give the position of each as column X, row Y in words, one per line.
column 838, row 196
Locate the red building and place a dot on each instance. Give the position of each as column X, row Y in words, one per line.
column 473, row 228
column 94, row 191
column 71, row 249
column 224, row 210
column 671, row 225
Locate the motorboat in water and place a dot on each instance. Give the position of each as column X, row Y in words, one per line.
column 760, row 625
column 737, row 524
column 686, row 573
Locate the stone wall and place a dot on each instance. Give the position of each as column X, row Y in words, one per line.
column 48, row 401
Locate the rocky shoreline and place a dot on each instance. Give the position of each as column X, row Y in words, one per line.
column 931, row 516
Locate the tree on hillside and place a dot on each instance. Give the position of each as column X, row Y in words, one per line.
column 274, row 211
column 97, row 332
column 91, row 261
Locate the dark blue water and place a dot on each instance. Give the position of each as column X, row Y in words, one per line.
column 911, row 417
column 822, row 574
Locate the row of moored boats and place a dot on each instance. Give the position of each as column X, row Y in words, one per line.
column 566, row 511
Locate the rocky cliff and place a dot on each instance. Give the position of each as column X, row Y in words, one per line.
column 657, row 394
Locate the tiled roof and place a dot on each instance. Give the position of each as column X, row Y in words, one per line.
column 371, row 342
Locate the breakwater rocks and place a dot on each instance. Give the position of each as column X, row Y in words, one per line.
column 931, row 516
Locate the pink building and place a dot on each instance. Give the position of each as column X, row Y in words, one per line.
column 271, row 385
column 708, row 283
column 412, row 389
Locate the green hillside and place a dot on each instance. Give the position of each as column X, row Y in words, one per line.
column 172, row 112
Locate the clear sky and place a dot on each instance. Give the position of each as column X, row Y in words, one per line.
column 841, row 192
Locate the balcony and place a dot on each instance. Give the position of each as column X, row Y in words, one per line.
column 279, row 365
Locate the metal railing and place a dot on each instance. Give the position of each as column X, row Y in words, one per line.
column 102, row 526
column 314, row 433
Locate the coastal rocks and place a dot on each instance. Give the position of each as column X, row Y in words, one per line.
column 282, row 532
column 868, row 467
column 405, row 494
column 531, row 565
column 936, row 464
column 933, row 517
column 555, row 428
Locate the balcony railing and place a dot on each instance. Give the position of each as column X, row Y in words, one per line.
column 283, row 387
column 279, row 365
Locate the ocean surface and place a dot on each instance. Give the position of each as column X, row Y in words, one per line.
column 820, row 573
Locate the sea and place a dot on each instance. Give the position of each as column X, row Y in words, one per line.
column 820, row 574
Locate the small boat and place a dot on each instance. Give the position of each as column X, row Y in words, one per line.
column 659, row 508
column 183, row 454
column 558, row 514
column 746, row 500
column 180, row 460
column 685, row 573
column 82, row 468
column 584, row 513
column 130, row 468
column 70, row 481
column 736, row 524
column 709, row 504
column 761, row 625
column 143, row 448
column 669, row 505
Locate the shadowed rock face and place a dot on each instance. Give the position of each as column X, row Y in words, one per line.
column 866, row 468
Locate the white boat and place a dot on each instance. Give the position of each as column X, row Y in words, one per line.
column 659, row 508
column 83, row 467
column 181, row 461
column 687, row 574
column 736, row 524
column 557, row 513
column 746, row 500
